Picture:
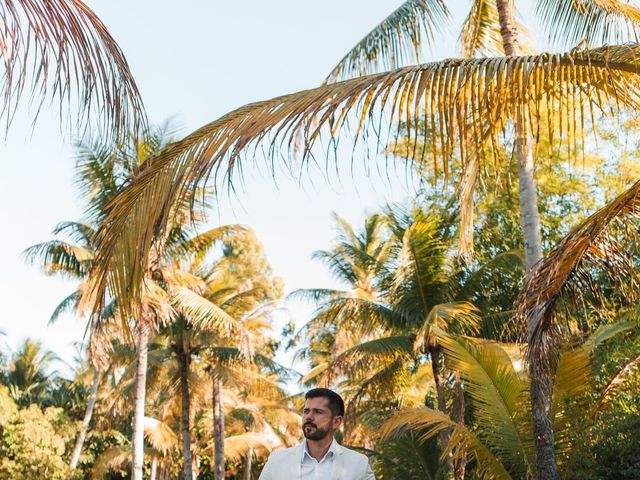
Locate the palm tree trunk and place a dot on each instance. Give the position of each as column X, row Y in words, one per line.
column 436, row 367
column 183, row 359
column 540, row 391
column 154, row 469
column 247, row 467
column 459, row 412
column 137, row 461
column 88, row 413
column 218, row 429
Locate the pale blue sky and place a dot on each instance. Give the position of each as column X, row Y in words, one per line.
column 194, row 60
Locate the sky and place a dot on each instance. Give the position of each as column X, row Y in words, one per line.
column 193, row 62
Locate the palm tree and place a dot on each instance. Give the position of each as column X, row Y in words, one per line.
column 410, row 272
column 54, row 49
column 468, row 103
column 72, row 260
column 29, row 372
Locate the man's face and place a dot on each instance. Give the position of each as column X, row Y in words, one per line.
column 317, row 420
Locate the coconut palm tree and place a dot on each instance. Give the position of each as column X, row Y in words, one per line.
column 468, row 104
column 52, row 50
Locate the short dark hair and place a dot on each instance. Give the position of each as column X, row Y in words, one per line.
column 336, row 404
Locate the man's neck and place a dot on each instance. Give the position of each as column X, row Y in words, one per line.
column 319, row 448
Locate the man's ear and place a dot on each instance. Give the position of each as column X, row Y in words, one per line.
column 337, row 421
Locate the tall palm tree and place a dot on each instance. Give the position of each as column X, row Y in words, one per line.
column 468, row 103
column 51, row 50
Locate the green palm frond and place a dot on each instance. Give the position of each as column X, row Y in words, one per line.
column 53, row 50
column 507, row 262
column 452, row 95
column 427, row 423
column 111, row 459
column 81, row 233
column 159, row 435
column 206, row 314
column 200, row 244
column 359, row 316
column 497, row 393
column 454, row 317
column 595, row 22
column 316, row 294
column 58, row 257
column 397, row 41
column 68, row 304
column 363, row 357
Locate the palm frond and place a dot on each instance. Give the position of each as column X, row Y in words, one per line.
column 426, row 423
column 480, row 33
column 397, row 41
column 159, row 435
column 454, row 317
column 58, row 49
column 567, row 273
column 497, row 394
column 315, row 294
column 450, row 94
column 111, row 459
column 594, row 22
column 68, row 304
column 206, row 314
column 58, row 257
column 616, row 382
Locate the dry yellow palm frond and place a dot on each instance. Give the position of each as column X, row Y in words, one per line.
column 58, row 49
column 159, row 435
column 497, row 394
column 465, row 102
column 427, row 423
column 395, row 42
column 595, row 22
column 566, row 275
column 236, row 446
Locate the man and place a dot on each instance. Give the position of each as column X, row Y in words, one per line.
column 319, row 457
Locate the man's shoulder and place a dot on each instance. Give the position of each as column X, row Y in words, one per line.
column 353, row 455
column 283, row 452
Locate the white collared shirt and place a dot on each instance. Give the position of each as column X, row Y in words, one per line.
column 311, row 469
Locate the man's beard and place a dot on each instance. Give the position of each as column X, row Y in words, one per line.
column 314, row 433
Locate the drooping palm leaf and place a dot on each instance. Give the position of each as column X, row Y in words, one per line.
column 616, row 382
column 596, row 22
column 60, row 49
column 567, row 273
column 429, row 423
column 452, row 95
column 396, row 42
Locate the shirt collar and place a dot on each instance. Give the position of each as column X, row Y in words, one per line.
column 333, row 450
